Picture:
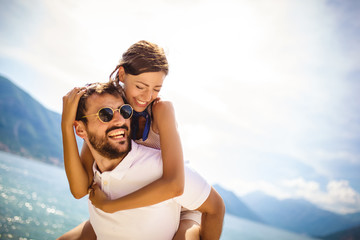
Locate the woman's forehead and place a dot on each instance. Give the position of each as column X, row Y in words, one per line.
column 149, row 79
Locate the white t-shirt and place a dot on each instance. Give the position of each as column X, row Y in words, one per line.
column 140, row 167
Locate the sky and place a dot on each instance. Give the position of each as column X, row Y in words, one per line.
column 265, row 92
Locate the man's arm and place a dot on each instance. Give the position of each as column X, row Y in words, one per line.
column 213, row 211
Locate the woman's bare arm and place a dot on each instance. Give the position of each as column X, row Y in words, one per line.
column 75, row 170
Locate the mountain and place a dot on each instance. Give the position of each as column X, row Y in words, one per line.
column 348, row 234
column 297, row 215
column 26, row 127
column 235, row 206
column 353, row 216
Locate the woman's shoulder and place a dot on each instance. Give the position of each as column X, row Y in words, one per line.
column 161, row 106
column 163, row 114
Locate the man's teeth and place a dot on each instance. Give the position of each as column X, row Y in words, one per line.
column 117, row 133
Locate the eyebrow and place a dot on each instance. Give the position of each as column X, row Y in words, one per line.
column 147, row 85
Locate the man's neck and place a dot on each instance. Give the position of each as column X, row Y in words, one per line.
column 105, row 164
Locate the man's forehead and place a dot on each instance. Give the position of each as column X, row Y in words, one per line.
column 96, row 101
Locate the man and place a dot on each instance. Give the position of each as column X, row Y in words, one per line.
column 122, row 166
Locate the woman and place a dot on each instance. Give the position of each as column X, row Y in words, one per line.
column 141, row 71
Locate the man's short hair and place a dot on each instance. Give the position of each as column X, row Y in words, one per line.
column 100, row 89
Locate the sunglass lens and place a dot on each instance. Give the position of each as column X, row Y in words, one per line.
column 126, row 111
column 106, row 114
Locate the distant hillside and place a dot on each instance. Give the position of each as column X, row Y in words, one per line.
column 26, row 127
column 235, row 206
column 348, row 234
column 297, row 215
column 354, row 216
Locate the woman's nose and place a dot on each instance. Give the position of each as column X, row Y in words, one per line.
column 148, row 95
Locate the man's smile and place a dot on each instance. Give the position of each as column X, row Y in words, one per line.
column 117, row 134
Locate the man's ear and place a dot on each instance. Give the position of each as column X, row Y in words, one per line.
column 121, row 73
column 80, row 129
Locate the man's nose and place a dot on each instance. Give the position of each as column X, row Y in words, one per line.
column 118, row 117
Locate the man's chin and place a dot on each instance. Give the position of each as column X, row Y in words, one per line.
column 122, row 147
column 109, row 147
column 121, row 143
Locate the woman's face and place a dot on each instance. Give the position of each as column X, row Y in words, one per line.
column 142, row 89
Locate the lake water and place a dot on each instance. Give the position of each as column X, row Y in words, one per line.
column 35, row 203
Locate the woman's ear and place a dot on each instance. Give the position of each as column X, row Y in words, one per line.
column 80, row 129
column 121, row 73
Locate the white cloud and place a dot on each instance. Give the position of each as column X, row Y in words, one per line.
column 341, row 192
column 338, row 197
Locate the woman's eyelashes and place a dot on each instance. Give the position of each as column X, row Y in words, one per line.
column 142, row 88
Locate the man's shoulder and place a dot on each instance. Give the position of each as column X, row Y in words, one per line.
column 141, row 148
column 144, row 151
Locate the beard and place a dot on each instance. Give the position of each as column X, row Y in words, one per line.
column 107, row 149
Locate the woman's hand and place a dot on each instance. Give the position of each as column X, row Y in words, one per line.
column 98, row 198
column 70, row 104
column 156, row 100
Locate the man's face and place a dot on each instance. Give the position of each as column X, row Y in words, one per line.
column 109, row 139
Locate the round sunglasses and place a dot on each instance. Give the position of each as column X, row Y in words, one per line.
column 106, row 114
